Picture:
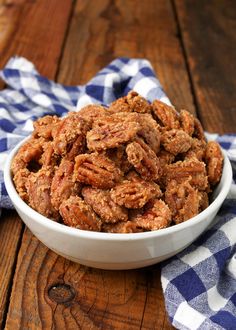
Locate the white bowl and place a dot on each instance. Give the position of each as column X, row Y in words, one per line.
column 116, row 251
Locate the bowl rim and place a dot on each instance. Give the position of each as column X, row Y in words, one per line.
column 50, row 224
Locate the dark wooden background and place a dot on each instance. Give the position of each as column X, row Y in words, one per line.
column 191, row 45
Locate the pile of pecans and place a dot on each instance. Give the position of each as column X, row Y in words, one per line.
column 131, row 167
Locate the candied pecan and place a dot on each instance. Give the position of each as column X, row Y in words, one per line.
column 187, row 122
column 69, row 136
column 176, row 141
column 28, row 156
column 20, row 179
column 165, row 157
column 121, row 227
column 197, row 150
column 38, row 187
column 203, row 200
column 62, row 185
column 144, row 159
column 214, row 160
column 49, row 157
column 43, row 127
column 76, row 213
column 111, row 133
column 135, row 194
column 166, row 115
column 119, row 157
column 92, row 112
column 156, row 216
column 198, row 130
column 182, row 199
column 191, row 169
column 149, row 131
column 132, row 102
column 102, row 203
column 96, row 170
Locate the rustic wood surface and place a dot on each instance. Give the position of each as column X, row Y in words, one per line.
column 70, row 41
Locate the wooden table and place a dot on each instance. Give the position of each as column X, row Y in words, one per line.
column 191, row 45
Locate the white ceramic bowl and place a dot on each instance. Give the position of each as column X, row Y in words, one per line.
column 116, row 251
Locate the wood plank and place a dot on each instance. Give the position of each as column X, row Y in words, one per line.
column 10, row 234
column 208, row 30
column 149, row 32
column 35, row 30
column 48, row 291
column 23, row 33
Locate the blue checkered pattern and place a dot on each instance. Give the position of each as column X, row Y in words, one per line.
column 199, row 284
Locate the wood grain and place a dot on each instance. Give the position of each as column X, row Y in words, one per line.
column 10, row 234
column 208, row 30
column 35, row 30
column 50, row 292
column 27, row 30
column 54, row 293
column 104, row 30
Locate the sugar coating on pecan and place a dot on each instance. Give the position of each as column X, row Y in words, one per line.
column 191, row 169
column 101, row 202
column 132, row 102
column 76, row 213
column 38, row 187
column 165, row 157
column 62, row 184
column 27, row 156
column 166, row 115
column 135, row 194
column 20, row 179
column 96, row 170
column 92, row 112
column 214, row 161
column 176, row 141
column 121, row 227
column 197, row 150
column 111, row 133
column 182, row 199
column 69, row 136
column 119, row 157
column 157, row 216
column 198, row 130
column 43, row 127
column 144, row 159
column 187, row 122
column 149, row 131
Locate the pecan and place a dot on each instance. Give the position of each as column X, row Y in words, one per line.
column 38, row 187
column 76, row 213
column 69, row 136
column 96, row 170
column 132, row 102
column 134, row 194
column 176, row 141
column 182, row 199
column 191, row 169
column 166, row 115
column 156, row 216
column 187, row 122
column 43, row 127
column 62, row 185
column 144, row 159
column 214, row 160
column 102, row 203
column 28, row 156
column 111, row 133
column 92, row 112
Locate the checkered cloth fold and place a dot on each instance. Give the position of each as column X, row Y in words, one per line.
column 199, row 283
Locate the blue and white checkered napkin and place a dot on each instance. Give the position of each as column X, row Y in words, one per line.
column 199, row 284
